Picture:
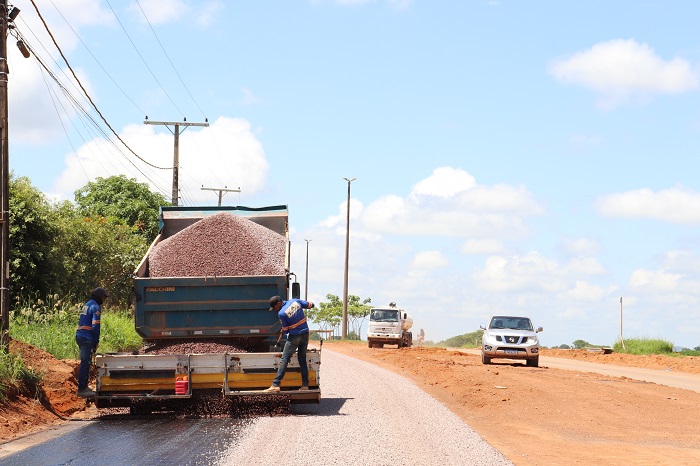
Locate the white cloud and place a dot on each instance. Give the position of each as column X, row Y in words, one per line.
column 585, row 291
column 582, row 246
column 531, row 271
column 208, row 13
column 623, row 69
column 450, row 203
column 430, row 260
column 482, row 246
column 674, row 205
column 241, row 164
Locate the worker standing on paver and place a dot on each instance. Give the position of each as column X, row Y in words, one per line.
column 291, row 314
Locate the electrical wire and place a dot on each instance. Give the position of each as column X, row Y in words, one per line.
column 86, row 93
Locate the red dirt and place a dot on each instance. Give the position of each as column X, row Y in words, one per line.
column 534, row 416
column 543, row 416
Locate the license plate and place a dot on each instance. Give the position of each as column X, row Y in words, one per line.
column 511, row 351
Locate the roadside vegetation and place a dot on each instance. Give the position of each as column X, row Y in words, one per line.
column 652, row 346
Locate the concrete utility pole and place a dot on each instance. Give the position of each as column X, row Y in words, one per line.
column 347, row 256
column 221, row 191
column 622, row 342
column 176, row 157
column 306, row 280
column 6, row 23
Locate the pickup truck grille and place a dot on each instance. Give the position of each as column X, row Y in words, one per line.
column 512, row 339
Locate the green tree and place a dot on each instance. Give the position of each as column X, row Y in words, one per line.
column 99, row 252
column 329, row 315
column 580, row 344
column 123, row 198
column 357, row 312
column 33, row 266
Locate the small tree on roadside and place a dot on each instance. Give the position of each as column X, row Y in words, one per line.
column 580, row 344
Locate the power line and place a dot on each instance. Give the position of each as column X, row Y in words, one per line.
column 86, row 93
column 168, row 57
column 143, row 60
column 96, row 60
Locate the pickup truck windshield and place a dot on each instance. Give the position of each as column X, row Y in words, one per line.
column 384, row 315
column 511, row 323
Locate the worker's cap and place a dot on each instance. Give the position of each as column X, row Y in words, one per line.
column 273, row 302
column 100, row 292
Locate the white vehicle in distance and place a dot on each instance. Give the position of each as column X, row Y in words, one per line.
column 510, row 337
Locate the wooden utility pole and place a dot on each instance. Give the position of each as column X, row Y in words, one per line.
column 5, row 191
column 6, row 22
column 222, row 191
column 176, row 157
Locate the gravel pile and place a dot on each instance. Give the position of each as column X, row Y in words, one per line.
column 222, row 245
column 197, row 346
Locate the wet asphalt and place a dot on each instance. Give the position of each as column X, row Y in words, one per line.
column 135, row 441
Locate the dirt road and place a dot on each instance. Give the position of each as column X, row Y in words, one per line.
column 664, row 376
column 545, row 416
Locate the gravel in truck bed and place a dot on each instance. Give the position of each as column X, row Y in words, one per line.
column 222, row 245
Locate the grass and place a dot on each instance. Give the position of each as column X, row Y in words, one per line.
column 16, row 377
column 50, row 324
column 642, row 346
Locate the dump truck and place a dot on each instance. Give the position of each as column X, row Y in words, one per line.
column 209, row 274
column 389, row 325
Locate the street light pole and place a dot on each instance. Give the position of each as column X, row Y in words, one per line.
column 347, row 256
column 306, row 280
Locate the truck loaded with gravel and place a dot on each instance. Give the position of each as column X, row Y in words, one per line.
column 389, row 325
column 202, row 308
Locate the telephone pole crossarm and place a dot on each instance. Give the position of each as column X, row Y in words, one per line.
column 176, row 156
column 221, row 191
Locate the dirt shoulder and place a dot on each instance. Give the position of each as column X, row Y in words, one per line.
column 550, row 416
column 54, row 403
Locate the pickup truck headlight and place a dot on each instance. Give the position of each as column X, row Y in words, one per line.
column 532, row 340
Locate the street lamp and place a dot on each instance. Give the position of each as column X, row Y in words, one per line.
column 347, row 255
column 306, row 281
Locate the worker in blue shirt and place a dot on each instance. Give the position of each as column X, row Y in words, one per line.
column 87, row 336
column 291, row 314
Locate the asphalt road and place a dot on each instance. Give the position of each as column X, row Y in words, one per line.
column 367, row 416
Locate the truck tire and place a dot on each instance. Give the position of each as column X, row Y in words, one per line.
column 399, row 345
column 485, row 359
column 534, row 362
column 369, row 343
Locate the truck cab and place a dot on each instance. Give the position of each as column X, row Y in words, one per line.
column 389, row 325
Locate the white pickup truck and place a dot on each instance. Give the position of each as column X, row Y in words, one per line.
column 510, row 337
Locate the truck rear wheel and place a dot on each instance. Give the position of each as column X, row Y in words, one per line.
column 369, row 343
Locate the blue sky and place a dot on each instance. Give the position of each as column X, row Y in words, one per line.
column 514, row 157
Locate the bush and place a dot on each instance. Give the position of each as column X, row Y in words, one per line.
column 644, row 346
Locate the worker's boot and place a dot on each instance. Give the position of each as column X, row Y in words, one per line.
column 304, row 387
column 272, row 389
column 86, row 393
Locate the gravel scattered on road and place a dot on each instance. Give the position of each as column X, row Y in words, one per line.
column 367, row 416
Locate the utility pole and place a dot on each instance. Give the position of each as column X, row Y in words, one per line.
column 221, row 191
column 176, row 157
column 347, row 256
column 306, row 280
column 622, row 342
column 6, row 23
